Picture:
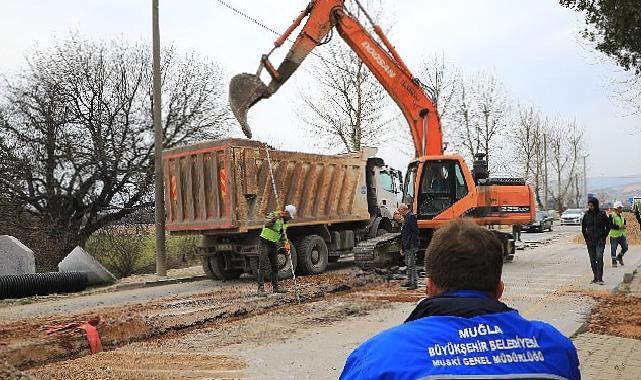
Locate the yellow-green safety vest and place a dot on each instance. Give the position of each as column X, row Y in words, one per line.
column 272, row 233
column 619, row 221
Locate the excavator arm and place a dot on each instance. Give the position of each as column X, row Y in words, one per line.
column 381, row 58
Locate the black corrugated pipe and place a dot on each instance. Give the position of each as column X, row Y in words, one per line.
column 41, row 284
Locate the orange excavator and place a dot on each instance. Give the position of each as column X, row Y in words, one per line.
column 438, row 187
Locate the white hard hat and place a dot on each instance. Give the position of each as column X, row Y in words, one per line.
column 618, row 204
column 291, row 210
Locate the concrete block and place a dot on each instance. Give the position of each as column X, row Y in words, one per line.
column 15, row 257
column 80, row 261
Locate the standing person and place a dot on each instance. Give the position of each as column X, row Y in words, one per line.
column 273, row 234
column 595, row 229
column 409, row 245
column 617, row 234
column 637, row 210
column 463, row 331
column 516, row 231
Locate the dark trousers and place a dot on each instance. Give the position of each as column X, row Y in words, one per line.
column 267, row 257
column 410, row 262
column 614, row 244
column 596, row 259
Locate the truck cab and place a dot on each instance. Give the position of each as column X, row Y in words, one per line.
column 384, row 189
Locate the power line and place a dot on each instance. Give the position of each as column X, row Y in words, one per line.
column 252, row 19
column 255, row 21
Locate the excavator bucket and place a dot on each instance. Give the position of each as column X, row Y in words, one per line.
column 245, row 90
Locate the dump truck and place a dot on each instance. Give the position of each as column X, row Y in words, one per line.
column 222, row 191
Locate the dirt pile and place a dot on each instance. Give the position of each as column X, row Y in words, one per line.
column 27, row 346
column 633, row 231
column 9, row 372
column 617, row 315
column 128, row 365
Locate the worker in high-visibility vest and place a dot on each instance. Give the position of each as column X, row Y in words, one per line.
column 637, row 209
column 617, row 234
column 274, row 233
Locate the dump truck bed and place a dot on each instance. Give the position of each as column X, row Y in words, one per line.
column 224, row 186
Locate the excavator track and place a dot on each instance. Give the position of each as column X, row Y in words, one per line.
column 377, row 252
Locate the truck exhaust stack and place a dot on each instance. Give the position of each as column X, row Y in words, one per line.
column 245, row 90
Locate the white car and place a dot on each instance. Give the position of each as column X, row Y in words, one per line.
column 572, row 216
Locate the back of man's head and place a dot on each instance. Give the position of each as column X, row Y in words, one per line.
column 464, row 256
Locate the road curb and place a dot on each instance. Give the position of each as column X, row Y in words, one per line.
column 160, row 282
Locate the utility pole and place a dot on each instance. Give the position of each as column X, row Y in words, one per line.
column 545, row 167
column 161, row 257
column 585, row 179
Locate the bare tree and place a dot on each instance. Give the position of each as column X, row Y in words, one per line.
column 527, row 140
column 76, row 136
column 565, row 147
column 481, row 115
column 440, row 81
column 347, row 104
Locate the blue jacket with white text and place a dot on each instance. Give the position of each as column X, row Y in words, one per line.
column 465, row 335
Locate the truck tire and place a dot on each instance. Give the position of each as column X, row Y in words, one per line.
column 312, row 255
column 214, row 267
column 284, row 267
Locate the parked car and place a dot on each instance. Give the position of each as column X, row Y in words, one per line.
column 572, row 216
column 542, row 222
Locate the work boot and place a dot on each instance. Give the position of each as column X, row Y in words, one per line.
column 406, row 285
column 601, row 282
column 614, row 262
column 278, row 289
column 412, row 287
column 620, row 259
column 261, row 292
column 594, row 281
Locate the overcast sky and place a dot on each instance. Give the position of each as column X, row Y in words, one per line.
column 533, row 47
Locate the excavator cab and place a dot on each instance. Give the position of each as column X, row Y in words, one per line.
column 442, row 183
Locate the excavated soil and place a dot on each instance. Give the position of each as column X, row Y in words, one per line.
column 617, row 315
column 187, row 354
column 9, row 372
column 26, row 345
column 132, row 365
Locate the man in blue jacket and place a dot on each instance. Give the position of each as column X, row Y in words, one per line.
column 462, row 331
column 409, row 243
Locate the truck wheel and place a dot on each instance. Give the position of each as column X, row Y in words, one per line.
column 214, row 267
column 312, row 255
column 284, row 267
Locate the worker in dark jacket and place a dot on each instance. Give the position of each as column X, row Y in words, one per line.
column 595, row 228
column 463, row 331
column 409, row 245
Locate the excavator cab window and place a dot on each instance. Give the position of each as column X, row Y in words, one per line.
column 461, row 186
column 438, row 190
column 410, row 180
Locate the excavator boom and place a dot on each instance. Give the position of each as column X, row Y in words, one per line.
column 381, row 58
